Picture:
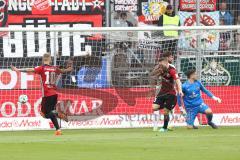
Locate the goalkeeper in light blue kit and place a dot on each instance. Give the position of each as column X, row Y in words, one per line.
column 193, row 101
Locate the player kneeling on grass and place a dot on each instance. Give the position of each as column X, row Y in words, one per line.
column 166, row 99
column 193, row 101
column 49, row 75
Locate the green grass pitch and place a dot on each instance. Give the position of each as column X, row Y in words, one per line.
column 119, row 144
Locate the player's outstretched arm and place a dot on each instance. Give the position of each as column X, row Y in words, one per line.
column 69, row 66
column 179, row 87
column 157, row 71
column 154, row 75
column 209, row 94
column 181, row 104
column 153, row 78
column 22, row 69
column 217, row 99
column 66, row 70
column 175, row 76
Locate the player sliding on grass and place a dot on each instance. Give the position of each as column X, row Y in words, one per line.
column 166, row 99
column 48, row 74
column 193, row 101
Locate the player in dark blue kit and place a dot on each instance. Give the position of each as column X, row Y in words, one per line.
column 193, row 101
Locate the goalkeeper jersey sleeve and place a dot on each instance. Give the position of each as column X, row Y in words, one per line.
column 192, row 94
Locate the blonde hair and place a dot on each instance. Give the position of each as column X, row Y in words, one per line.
column 46, row 55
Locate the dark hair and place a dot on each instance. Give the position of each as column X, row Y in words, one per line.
column 190, row 72
column 123, row 14
column 169, row 7
column 162, row 59
column 166, row 54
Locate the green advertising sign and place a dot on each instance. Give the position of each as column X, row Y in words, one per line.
column 216, row 70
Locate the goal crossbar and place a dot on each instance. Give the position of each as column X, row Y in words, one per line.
column 107, row 29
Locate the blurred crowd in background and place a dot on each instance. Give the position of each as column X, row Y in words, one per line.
column 223, row 12
column 229, row 12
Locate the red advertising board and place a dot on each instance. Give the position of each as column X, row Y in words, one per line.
column 190, row 5
column 96, row 108
column 80, row 101
column 111, row 101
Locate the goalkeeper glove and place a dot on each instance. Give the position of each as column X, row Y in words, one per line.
column 183, row 111
column 217, row 99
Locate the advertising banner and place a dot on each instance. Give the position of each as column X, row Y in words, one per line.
column 126, row 5
column 151, row 9
column 55, row 7
column 216, row 70
column 103, row 108
column 232, row 119
column 93, row 77
column 209, row 39
column 109, row 121
column 48, row 14
column 205, row 5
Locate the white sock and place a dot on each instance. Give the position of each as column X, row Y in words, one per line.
column 156, row 117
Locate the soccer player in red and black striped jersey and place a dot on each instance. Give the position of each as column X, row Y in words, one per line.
column 166, row 99
column 49, row 75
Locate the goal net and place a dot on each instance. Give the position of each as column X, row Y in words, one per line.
column 109, row 85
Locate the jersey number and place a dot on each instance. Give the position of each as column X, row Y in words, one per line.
column 50, row 78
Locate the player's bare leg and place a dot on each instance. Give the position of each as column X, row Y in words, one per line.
column 61, row 114
column 156, row 116
column 209, row 115
column 172, row 114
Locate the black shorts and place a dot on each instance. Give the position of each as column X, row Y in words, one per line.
column 49, row 103
column 168, row 101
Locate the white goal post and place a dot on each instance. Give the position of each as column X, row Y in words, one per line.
column 110, row 83
column 108, row 29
